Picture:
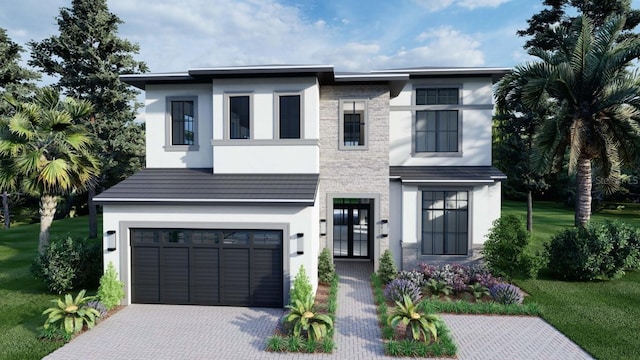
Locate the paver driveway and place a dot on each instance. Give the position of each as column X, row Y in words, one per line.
column 173, row 332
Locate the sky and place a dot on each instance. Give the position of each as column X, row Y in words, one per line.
column 352, row 35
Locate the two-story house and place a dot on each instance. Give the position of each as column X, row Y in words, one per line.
column 252, row 170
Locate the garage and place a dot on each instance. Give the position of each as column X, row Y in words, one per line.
column 237, row 267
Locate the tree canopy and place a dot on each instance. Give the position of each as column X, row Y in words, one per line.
column 46, row 152
column 598, row 99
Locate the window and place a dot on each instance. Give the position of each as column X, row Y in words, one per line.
column 445, row 222
column 353, row 124
column 239, row 117
column 289, row 117
column 438, row 129
column 181, row 124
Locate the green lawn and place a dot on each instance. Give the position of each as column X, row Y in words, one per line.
column 602, row 317
column 22, row 298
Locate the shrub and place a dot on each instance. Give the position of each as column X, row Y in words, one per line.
column 302, row 288
column 504, row 249
column 326, row 269
column 397, row 289
column 504, row 293
column 69, row 263
column 596, row 251
column 71, row 314
column 306, row 321
column 387, row 270
column 111, row 289
column 100, row 308
column 418, row 324
column 478, row 291
column 438, row 287
column 415, row 276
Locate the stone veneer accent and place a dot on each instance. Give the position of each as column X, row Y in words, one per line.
column 355, row 171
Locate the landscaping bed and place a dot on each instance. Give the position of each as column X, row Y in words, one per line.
column 325, row 303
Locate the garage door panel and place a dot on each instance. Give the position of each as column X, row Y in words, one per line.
column 175, row 289
column 266, row 283
column 230, row 272
column 204, row 276
column 146, row 275
column 235, row 277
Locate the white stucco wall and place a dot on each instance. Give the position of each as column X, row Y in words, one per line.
column 264, row 152
column 476, row 114
column 395, row 220
column 155, row 119
column 297, row 220
column 485, row 209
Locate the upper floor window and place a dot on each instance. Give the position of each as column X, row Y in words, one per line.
column 353, row 124
column 239, row 117
column 437, row 125
column 289, row 117
column 181, row 123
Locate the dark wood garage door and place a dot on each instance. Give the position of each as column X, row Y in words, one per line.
column 207, row 267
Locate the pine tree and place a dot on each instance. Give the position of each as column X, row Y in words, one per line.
column 87, row 56
column 17, row 82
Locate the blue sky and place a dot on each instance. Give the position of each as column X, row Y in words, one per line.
column 352, row 35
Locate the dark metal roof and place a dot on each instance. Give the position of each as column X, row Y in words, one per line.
column 202, row 186
column 441, row 174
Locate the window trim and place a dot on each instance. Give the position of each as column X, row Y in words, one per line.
column 341, row 145
column 168, row 124
column 419, row 209
column 226, row 125
column 442, row 107
column 276, row 114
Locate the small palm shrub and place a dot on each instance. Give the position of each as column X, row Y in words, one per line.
column 387, row 270
column 305, row 321
column 111, row 289
column 418, row 325
column 504, row 250
column 326, row 269
column 69, row 263
column 596, row 251
column 504, row 293
column 302, row 288
column 71, row 314
column 397, row 289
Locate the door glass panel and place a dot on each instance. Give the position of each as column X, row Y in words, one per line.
column 235, row 237
column 360, row 232
column 340, row 232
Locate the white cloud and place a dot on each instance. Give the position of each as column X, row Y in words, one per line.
column 448, row 47
column 437, row 5
column 472, row 4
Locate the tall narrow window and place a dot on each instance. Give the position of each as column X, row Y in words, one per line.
column 445, row 222
column 289, row 116
column 353, row 124
column 182, row 123
column 239, row 117
column 437, row 130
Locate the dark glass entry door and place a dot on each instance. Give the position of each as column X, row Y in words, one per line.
column 352, row 231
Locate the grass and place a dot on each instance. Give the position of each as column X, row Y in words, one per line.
column 600, row 316
column 483, row 307
column 23, row 298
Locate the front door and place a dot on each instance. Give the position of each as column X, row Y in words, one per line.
column 352, row 231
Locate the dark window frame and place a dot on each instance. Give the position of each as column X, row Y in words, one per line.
column 294, row 127
column 176, row 130
column 451, row 212
column 359, row 139
column 435, row 106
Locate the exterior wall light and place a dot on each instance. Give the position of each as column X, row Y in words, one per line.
column 323, row 227
column 300, row 237
column 111, row 240
column 385, row 228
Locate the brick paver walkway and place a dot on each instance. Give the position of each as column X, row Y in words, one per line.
column 173, row 332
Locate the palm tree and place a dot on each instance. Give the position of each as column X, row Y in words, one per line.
column 46, row 153
column 598, row 100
